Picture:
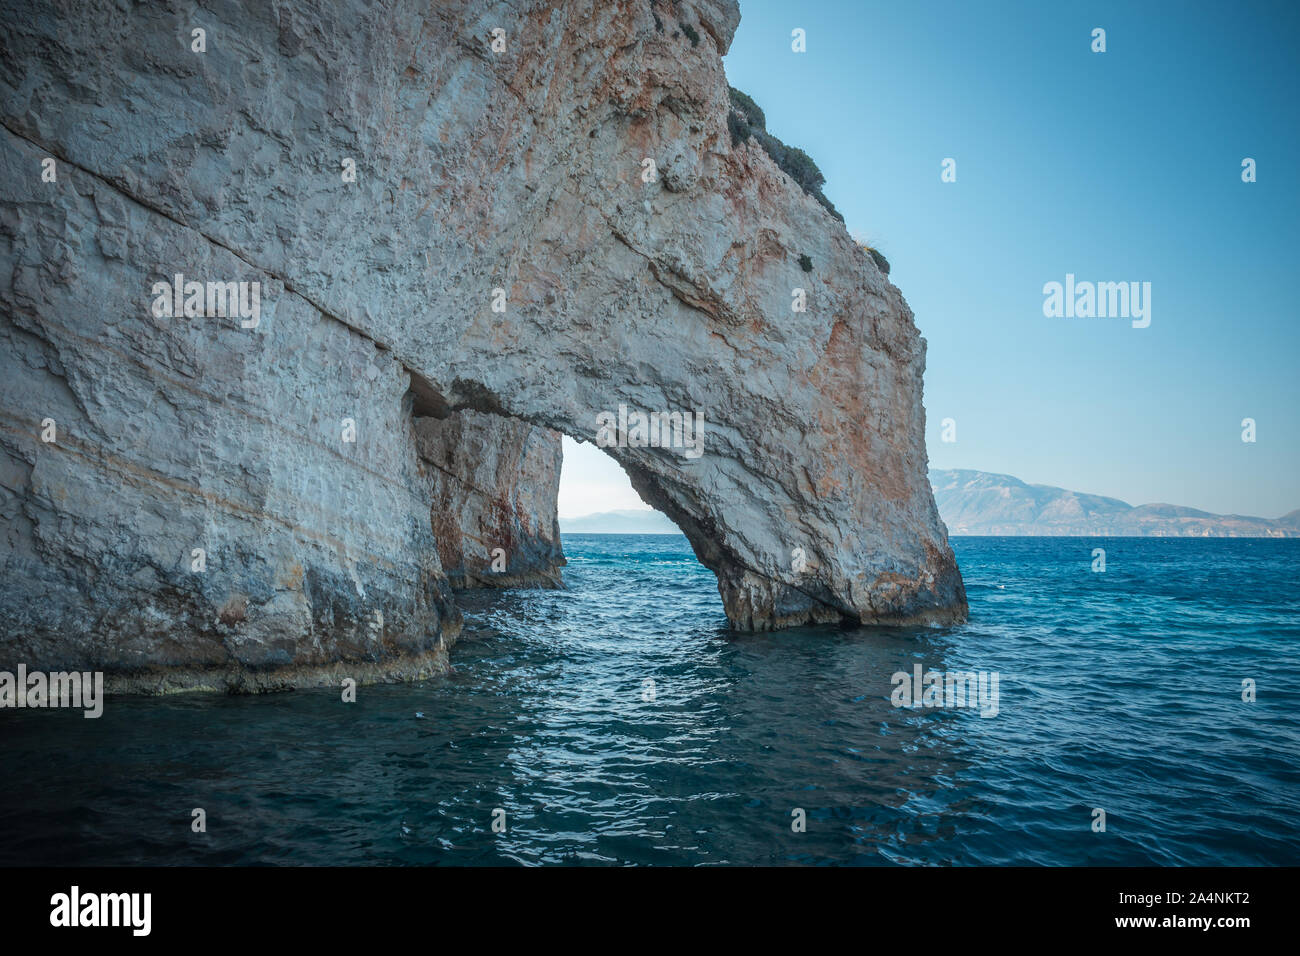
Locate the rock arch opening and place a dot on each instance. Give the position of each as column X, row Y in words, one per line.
column 494, row 479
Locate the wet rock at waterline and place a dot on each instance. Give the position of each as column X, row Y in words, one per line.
column 544, row 224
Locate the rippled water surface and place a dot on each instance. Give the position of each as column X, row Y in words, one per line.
column 1119, row 691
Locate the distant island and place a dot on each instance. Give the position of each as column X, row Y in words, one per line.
column 627, row 521
column 982, row 503
column 979, row 502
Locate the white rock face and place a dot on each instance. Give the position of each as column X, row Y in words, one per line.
column 515, row 179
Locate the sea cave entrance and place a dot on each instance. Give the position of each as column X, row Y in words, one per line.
column 504, row 490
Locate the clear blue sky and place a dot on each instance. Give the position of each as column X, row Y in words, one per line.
column 1115, row 166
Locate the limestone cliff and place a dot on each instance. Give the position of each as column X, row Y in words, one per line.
column 530, row 210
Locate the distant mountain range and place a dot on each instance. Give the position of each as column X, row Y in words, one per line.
column 978, row 502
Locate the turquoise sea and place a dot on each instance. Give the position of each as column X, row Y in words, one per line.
column 1119, row 691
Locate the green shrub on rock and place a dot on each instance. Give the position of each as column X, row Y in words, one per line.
column 746, row 119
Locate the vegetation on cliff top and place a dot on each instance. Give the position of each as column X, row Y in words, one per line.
column 746, row 119
column 877, row 256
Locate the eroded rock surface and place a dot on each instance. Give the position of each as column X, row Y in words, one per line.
column 495, row 482
column 475, row 170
